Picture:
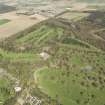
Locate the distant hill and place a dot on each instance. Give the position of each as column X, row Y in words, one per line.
column 6, row 8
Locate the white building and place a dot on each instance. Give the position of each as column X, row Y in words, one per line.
column 44, row 55
column 17, row 89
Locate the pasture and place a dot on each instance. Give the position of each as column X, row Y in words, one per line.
column 80, row 82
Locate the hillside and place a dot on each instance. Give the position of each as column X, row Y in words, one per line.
column 58, row 62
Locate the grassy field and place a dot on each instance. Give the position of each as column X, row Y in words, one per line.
column 42, row 36
column 3, row 21
column 78, row 82
column 6, row 90
column 11, row 56
column 73, row 74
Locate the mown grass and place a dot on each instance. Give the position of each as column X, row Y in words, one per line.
column 40, row 35
column 12, row 56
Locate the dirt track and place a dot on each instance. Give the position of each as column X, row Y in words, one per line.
column 17, row 24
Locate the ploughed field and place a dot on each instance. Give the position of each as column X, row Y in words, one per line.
column 11, row 23
column 58, row 61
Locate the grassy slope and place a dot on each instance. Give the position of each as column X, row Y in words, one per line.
column 65, row 84
column 11, row 56
column 22, row 62
column 44, row 36
column 63, row 81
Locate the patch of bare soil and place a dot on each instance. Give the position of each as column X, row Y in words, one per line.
column 18, row 23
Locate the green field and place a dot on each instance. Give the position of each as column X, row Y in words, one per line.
column 6, row 90
column 73, row 85
column 73, row 74
column 3, row 21
column 42, row 36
